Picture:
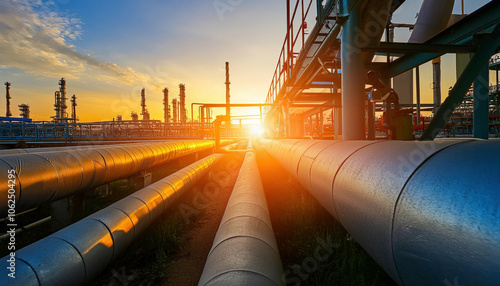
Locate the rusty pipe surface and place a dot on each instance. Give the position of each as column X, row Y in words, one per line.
column 76, row 254
column 44, row 176
column 244, row 251
column 427, row 212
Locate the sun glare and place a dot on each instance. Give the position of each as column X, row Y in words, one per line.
column 256, row 131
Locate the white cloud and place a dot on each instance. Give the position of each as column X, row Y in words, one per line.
column 37, row 39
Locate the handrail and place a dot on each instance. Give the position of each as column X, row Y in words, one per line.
column 286, row 57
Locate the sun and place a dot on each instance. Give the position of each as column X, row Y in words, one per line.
column 256, row 130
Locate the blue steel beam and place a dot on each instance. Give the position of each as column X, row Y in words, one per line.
column 460, row 33
column 487, row 46
column 353, row 95
column 481, row 104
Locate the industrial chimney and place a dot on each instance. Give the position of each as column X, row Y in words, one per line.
column 25, row 110
column 174, row 110
column 73, row 108
column 228, row 108
column 7, row 97
column 166, row 109
column 182, row 102
column 143, row 103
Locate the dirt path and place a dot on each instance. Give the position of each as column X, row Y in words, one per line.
column 204, row 215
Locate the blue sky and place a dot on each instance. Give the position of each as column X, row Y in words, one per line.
column 109, row 50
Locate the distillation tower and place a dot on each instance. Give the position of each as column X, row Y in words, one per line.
column 7, row 97
column 182, row 103
column 166, row 107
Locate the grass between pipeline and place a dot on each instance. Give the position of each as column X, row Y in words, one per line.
column 146, row 260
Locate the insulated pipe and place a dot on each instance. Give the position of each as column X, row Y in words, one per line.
column 76, row 254
column 364, row 27
column 433, row 17
column 422, row 214
column 353, row 93
column 244, row 251
column 44, row 177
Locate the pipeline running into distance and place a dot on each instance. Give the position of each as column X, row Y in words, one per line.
column 76, row 254
column 427, row 212
column 244, row 251
column 43, row 177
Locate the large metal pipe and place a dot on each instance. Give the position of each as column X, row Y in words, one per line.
column 244, row 251
column 427, row 212
column 364, row 27
column 76, row 254
column 45, row 177
column 436, row 80
column 353, row 93
column 433, row 17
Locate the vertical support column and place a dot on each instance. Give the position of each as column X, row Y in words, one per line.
column 417, row 82
column 353, row 99
column 281, row 124
column 481, row 102
column 320, row 121
column 260, row 114
column 497, row 87
column 371, row 120
column 337, row 127
column 287, row 119
column 436, row 71
column 64, row 212
column 228, row 101
column 289, row 38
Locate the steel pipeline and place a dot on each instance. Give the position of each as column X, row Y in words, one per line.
column 43, row 177
column 76, row 254
column 244, row 251
column 427, row 212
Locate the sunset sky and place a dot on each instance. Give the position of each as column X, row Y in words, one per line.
column 109, row 50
